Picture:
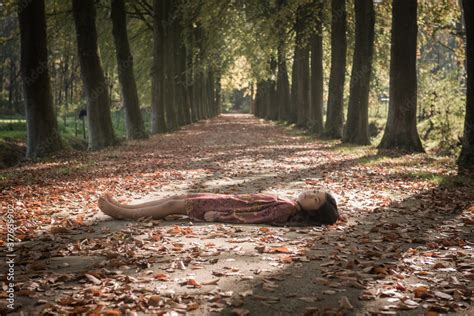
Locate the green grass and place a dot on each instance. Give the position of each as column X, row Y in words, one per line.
column 12, row 120
column 19, row 136
column 344, row 148
column 14, row 128
column 68, row 170
column 375, row 159
column 442, row 180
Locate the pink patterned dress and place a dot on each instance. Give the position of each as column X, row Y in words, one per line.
column 240, row 208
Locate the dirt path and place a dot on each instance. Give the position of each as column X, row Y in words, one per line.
column 406, row 246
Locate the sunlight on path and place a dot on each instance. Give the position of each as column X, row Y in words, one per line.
column 375, row 261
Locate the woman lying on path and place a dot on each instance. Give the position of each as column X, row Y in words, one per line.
column 311, row 207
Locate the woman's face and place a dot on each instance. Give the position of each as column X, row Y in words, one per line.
column 312, row 200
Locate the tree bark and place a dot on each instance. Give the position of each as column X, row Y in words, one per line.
column 218, row 95
column 273, row 109
column 197, row 82
column 300, row 99
column 101, row 133
column 42, row 127
column 133, row 116
column 466, row 159
column 182, row 84
column 293, row 109
column 303, row 89
column 168, row 23
column 12, row 85
column 335, row 116
column 317, row 90
column 273, row 101
column 400, row 131
column 189, row 82
column 283, row 84
column 282, row 81
column 2, row 74
column 158, row 120
column 356, row 130
column 260, row 98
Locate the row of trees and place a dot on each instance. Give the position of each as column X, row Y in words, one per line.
column 193, row 45
column 303, row 106
column 185, row 86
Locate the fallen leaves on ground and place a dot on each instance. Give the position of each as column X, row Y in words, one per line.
column 405, row 244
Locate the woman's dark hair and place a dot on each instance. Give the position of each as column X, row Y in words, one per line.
column 327, row 214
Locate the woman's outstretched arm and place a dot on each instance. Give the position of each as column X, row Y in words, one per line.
column 158, row 211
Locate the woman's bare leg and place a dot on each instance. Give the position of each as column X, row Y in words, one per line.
column 113, row 201
column 155, row 211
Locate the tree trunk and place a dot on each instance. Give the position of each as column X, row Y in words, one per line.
column 158, row 121
column 260, row 97
column 269, row 99
column 168, row 22
column 2, row 74
column 197, row 94
column 182, row 118
column 179, row 87
column 273, row 101
column 12, row 85
column 356, row 130
column 293, row 109
column 283, row 85
column 400, row 131
column 189, row 83
column 300, row 76
column 42, row 127
column 466, row 159
column 182, row 84
column 210, row 92
column 317, row 90
column 101, row 133
column 133, row 116
column 218, row 94
column 273, row 109
column 303, row 93
column 335, row 116
column 205, row 94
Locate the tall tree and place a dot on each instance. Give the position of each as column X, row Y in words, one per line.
column 133, row 116
column 300, row 72
column 170, row 38
column 356, row 129
column 42, row 127
column 466, row 159
column 158, row 119
column 272, row 106
column 335, row 116
column 400, row 130
column 189, row 79
column 282, row 84
column 316, row 105
column 182, row 84
column 101, row 133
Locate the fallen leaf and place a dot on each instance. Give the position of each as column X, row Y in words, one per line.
column 345, row 303
column 93, row 279
column 420, row 292
column 193, row 283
